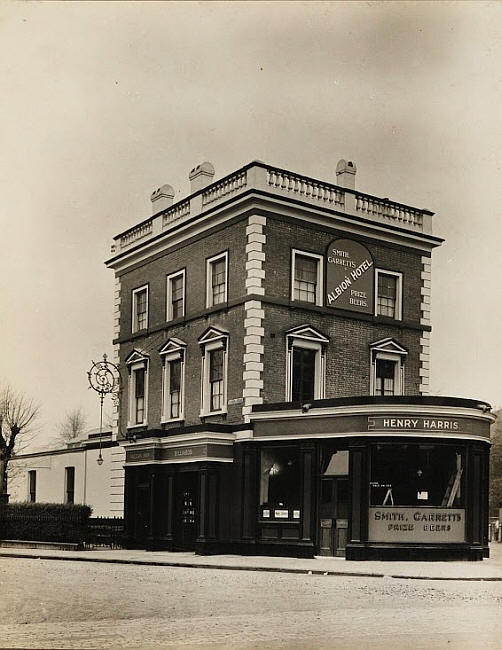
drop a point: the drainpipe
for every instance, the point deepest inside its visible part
(85, 476)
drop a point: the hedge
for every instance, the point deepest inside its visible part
(44, 522)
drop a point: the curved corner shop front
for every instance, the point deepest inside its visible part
(364, 478)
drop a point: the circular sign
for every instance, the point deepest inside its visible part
(350, 276)
(104, 377)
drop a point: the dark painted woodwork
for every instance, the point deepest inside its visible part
(249, 489)
(227, 517)
(170, 507)
(308, 510)
(202, 506)
(212, 506)
(358, 482)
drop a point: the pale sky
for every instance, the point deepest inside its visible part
(103, 102)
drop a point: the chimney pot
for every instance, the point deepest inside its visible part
(162, 198)
(346, 174)
(201, 176)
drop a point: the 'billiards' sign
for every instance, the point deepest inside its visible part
(350, 276)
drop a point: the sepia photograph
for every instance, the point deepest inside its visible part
(250, 385)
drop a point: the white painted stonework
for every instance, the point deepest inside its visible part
(425, 310)
(116, 354)
(117, 481)
(253, 321)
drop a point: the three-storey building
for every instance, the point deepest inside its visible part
(273, 335)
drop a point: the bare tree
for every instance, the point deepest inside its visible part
(17, 416)
(72, 427)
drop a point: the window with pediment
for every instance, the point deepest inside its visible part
(387, 358)
(173, 379)
(214, 370)
(305, 364)
(137, 366)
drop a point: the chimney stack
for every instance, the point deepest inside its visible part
(346, 174)
(162, 198)
(201, 176)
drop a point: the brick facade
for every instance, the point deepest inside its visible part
(227, 320)
(258, 313)
(283, 236)
(347, 354)
(190, 256)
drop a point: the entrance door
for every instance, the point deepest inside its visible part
(142, 519)
(186, 513)
(334, 512)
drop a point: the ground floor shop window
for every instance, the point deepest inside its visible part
(280, 483)
(416, 475)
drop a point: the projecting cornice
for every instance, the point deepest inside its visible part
(260, 189)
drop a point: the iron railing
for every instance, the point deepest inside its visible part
(104, 531)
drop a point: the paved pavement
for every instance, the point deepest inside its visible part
(84, 605)
(489, 569)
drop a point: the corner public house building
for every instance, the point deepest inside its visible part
(273, 333)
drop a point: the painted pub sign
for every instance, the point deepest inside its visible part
(437, 525)
(350, 276)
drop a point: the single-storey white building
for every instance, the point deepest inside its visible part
(72, 475)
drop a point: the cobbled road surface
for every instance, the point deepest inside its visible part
(69, 604)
